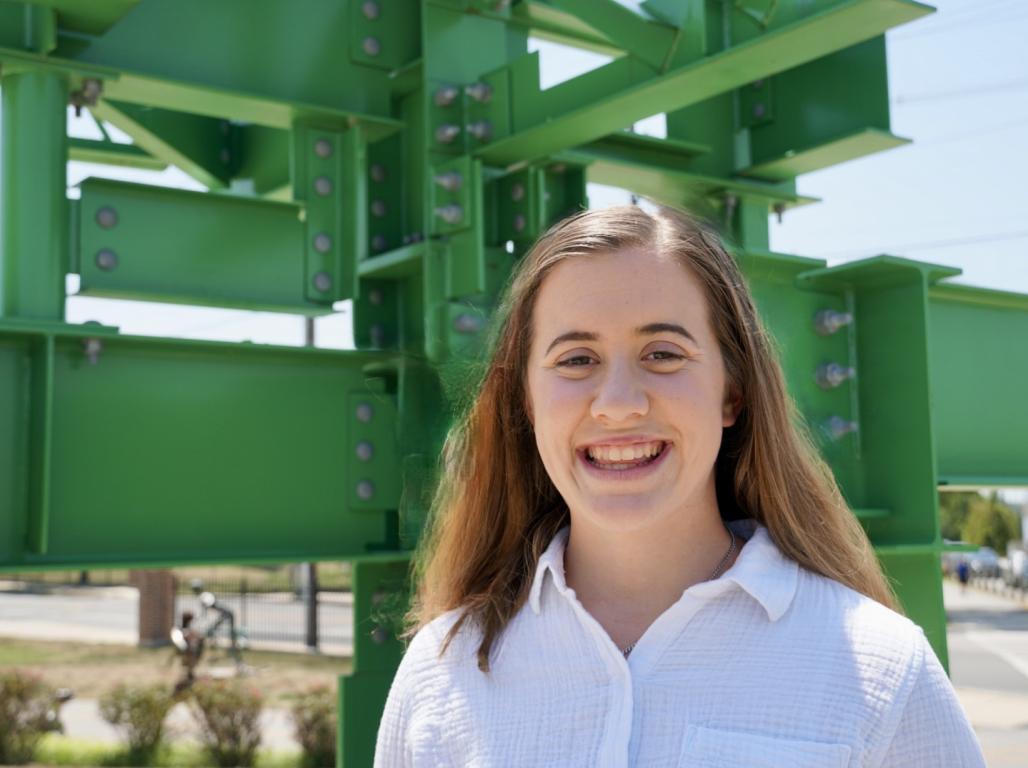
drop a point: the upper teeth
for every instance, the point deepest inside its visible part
(624, 452)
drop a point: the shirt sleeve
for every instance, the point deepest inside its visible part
(933, 729)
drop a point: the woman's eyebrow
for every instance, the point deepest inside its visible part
(643, 330)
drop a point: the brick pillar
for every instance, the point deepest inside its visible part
(156, 606)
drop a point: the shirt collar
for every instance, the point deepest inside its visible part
(761, 570)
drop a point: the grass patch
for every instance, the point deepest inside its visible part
(57, 750)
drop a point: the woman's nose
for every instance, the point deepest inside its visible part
(620, 396)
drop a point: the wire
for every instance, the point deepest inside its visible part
(934, 244)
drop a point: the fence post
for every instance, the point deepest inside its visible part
(311, 605)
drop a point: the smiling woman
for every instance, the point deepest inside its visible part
(636, 555)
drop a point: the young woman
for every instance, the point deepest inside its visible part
(636, 557)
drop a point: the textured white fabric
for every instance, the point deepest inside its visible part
(768, 666)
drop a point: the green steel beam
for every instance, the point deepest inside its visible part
(112, 153)
(605, 100)
(549, 23)
(650, 41)
(979, 366)
(89, 17)
(33, 208)
(199, 146)
(146, 451)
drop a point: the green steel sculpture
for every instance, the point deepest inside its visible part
(400, 153)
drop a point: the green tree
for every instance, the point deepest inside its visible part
(991, 523)
(954, 509)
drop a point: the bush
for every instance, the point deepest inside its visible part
(228, 714)
(28, 710)
(314, 718)
(138, 711)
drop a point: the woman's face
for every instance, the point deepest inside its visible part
(626, 387)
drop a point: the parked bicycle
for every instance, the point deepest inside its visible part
(191, 642)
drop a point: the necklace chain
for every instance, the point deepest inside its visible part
(714, 575)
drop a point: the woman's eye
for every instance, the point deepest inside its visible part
(570, 362)
(665, 355)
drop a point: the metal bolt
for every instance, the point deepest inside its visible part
(446, 95)
(482, 130)
(370, 9)
(828, 321)
(379, 635)
(106, 259)
(378, 172)
(378, 208)
(758, 84)
(759, 109)
(92, 348)
(107, 217)
(375, 296)
(323, 148)
(322, 281)
(520, 223)
(517, 192)
(731, 201)
(323, 186)
(378, 243)
(364, 412)
(831, 375)
(779, 209)
(465, 323)
(224, 155)
(322, 243)
(371, 46)
(365, 450)
(378, 597)
(365, 489)
(480, 92)
(446, 133)
(376, 334)
(451, 214)
(450, 181)
(837, 427)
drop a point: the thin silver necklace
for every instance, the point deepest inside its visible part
(714, 575)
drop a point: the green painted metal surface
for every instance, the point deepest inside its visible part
(403, 155)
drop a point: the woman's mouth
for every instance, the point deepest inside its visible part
(624, 462)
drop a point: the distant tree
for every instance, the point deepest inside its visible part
(991, 523)
(954, 509)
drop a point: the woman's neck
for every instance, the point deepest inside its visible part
(626, 579)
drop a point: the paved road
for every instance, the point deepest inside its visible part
(988, 651)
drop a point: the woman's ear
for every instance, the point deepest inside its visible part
(730, 409)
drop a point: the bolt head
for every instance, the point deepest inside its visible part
(370, 9)
(520, 223)
(375, 296)
(322, 243)
(224, 155)
(323, 148)
(378, 208)
(323, 186)
(759, 109)
(378, 243)
(322, 281)
(364, 412)
(517, 192)
(106, 259)
(379, 635)
(378, 172)
(107, 217)
(365, 450)
(371, 46)
(365, 490)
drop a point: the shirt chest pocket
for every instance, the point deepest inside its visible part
(718, 748)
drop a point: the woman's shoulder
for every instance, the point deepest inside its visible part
(424, 657)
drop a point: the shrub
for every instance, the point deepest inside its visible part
(314, 718)
(138, 712)
(28, 710)
(228, 714)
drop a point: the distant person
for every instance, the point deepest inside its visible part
(963, 573)
(636, 556)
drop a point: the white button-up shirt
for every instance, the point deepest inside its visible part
(767, 666)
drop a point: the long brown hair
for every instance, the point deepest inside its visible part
(495, 509)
